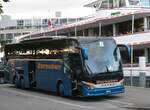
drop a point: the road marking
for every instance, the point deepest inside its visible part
(121, 102)
(52, 100)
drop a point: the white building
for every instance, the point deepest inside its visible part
(10, 29)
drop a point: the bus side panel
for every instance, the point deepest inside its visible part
(67, 85)
(47, 77)
(26, 75)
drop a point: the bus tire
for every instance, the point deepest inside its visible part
(16, 82)
(22, 83)
(61, 90)
(13, 81)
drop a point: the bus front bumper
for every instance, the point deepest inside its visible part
(102, 91)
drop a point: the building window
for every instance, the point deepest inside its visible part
(136, 54)
(9, 36)
(109, 4)
(124, 27)
(134, 2)
(104, 4)
(145, 2)
(25, 33)
(71, 20)
(17, 34)
(142, 3)
(122, 3)
(27, 23)
(148, 55)
(148, 23)
(44, 22)
(116, 3)
(20, 22)
(107, 30)
(63, 21)
(2, 36)
(139, 25)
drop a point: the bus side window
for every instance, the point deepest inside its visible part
(66, 70)
(66, 65)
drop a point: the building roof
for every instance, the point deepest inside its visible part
(104, 20)
(138, 40)
(95, 21)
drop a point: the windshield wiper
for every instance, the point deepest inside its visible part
(108, 72)
(107, 69)
(88, 68)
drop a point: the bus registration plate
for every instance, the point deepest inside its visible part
(108, 92)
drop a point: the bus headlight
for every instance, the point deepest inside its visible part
(89, 85)
(122, 82)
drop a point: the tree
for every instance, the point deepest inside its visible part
(1, 10)
(2, 42)
(2, 45)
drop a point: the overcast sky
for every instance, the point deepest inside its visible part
(46, 8)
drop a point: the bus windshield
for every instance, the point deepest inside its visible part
(103, 56)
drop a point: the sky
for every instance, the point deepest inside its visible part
(46, 8)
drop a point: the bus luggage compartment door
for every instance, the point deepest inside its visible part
(29, 74)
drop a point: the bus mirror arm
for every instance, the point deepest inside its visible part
(127, 48)
(85, 53)
(75, 84)
(77, 47)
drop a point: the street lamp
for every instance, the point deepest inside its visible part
(131, 61)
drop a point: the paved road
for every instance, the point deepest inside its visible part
(16, 99)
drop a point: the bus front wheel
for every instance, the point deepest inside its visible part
(61, 90)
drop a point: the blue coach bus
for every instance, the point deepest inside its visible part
(85, 66)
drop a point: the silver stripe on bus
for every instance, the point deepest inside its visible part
(60, 60)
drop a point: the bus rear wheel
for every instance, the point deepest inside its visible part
(17, 82)
(61, 90)
(22, 83)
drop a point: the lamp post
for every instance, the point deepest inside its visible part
(131, 72)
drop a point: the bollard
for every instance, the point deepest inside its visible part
(142, 79)
(142, 74)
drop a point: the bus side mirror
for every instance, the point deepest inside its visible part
(126, 49)
(85, 53)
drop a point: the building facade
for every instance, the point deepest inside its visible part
(10, 29)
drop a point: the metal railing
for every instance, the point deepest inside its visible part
(132, 77)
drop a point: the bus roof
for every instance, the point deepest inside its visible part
(47, 41)
(79, 38)
(91, 39)
(44, 38)
(42, 43)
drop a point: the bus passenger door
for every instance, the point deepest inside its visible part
(68, 75)
(32, 73)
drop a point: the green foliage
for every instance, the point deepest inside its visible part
(6, 0)
(2, 43)
(1, 10)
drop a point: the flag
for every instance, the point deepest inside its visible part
(49, 24)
